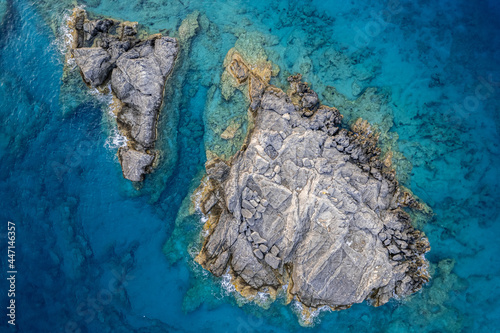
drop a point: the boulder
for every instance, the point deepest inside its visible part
(94, 63)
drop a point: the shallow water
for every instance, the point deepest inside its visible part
(96, 255)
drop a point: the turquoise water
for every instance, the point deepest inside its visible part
(96, 255)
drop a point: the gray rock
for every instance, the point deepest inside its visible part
(393, 249)
(94, 63)
(310, 100)
(401, 244)
(246, 213)
(247, 205)
(209, 203)
(138, 70)
(397, 257)
(272, 261)
(263, 248)
(260, 209)
(258, 253)
(243, 227)
(134, 163)
(257, 239)
(92, 28)
(328, 216)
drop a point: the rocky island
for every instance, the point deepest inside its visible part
(308, 206)
(111, 52)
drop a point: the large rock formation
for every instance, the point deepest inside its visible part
(110, 51)
(309, 205)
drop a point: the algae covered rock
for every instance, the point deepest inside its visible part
(137, 68)
(309, 205)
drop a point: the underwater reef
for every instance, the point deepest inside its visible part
(107, 51)
(308, 206)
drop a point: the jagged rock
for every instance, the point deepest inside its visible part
(257, 239)
(258, 253)
(92, 28)
(138, 81)
(332, 219)
(128, 30)
(134, 163)
(94, 63)
(239, 70)
(138, 70)
(256, 89)
(208, 201)
(393, 249)
(246, 213)
(310, 101)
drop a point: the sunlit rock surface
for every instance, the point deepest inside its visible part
(107, 51)
(309, 205)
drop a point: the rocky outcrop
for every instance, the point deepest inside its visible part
(136, 68)
(309, 205)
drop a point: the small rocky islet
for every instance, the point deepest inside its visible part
(105, 51)
(305, 205)
(309, 206)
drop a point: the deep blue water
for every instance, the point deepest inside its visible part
(93, 254)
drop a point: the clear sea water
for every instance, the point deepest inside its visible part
(95, 254)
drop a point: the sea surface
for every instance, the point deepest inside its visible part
(95, 254)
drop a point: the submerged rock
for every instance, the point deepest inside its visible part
(110, 51)
(309, 205)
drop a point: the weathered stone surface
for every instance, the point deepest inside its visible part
(137, 70)
(134, 163)
(332, 218)
(258, 253)
(272, 260)
(92, 28)
(94, 64)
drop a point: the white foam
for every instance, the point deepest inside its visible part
(262, 298)
(115, 140)
(227, 287)
(309, 317)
